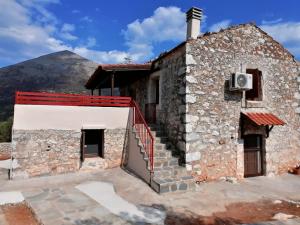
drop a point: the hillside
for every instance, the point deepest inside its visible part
(62, 71)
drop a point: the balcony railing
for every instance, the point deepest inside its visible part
(42, 98)
(142, 129)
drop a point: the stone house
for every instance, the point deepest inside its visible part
(200, 128)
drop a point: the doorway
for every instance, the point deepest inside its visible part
(253, 162)
(92, 144)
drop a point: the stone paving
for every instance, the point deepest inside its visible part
(55, 199)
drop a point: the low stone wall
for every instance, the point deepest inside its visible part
(5, 148)
(45, 152)
(114, 142)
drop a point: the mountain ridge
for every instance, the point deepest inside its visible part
(62, 71)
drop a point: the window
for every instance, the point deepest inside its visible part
(255, 94)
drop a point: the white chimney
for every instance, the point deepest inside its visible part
(193, 19)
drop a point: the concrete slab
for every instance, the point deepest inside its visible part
(58, 192)
(105, 195)
(11, 197)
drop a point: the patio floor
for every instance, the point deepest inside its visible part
(56, 200)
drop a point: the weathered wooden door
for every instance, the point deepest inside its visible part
(253, 155)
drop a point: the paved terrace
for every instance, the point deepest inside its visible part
(68, 199)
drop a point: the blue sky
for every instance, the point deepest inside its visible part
(109, 31)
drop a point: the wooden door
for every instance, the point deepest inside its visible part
(253, 155)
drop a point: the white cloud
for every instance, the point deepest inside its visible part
(166, 24)
(86, 19)
(284, 32)
(28, 30)
(220, 25)
(113, 56)
(287, 33)
(75, 11)
(91, 42)
(66, 32)
(271, 21)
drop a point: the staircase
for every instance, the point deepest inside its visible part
(168, 175)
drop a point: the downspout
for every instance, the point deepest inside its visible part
(10, 171)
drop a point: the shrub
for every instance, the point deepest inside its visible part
(5, 130)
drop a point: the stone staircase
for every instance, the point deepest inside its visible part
(168, 175)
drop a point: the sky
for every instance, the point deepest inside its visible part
(115, 30)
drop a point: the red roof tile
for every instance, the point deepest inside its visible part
(263, 119)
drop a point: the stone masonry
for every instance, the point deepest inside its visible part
(213, 135)
(201, 116)
(46, 152)
(5, 148)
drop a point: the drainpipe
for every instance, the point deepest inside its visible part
(10, 171)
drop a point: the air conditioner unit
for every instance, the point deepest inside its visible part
(241, 81)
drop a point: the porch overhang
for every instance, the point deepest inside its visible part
(264, 119)
(120, 74)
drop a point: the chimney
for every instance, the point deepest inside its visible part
(193, 18)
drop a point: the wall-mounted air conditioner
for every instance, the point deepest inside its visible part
(241, 81)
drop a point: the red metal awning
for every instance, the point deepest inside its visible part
(263, 119)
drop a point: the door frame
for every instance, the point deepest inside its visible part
(83, 144)
(261, 160)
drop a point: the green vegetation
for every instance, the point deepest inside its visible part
(5, 130)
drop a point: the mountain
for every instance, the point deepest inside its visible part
(64, 72)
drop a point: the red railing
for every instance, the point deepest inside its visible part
(144, 133)
(43, 98)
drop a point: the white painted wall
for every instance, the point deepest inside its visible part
(37, 117)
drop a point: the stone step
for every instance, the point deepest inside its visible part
(171, 172)
(173, 185)
(162, 154)
(161, 163)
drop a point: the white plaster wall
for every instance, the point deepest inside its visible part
(38, 117)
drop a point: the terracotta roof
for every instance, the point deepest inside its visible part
(263, 119)
(129, 66)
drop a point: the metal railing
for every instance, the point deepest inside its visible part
(44, 98)
(144, 133)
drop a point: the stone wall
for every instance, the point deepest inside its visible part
(5, 148)
(213, 141)
(46, 152)
(114, 144)
(171, 69)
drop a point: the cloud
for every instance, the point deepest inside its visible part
(91, 42)
(22, 36)
(28, 29)
(113, 56)
(166, 24)
(86, 19)
(264, 22)
(66, 32)
(287, 33)
(75, 11)
(220, 25)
